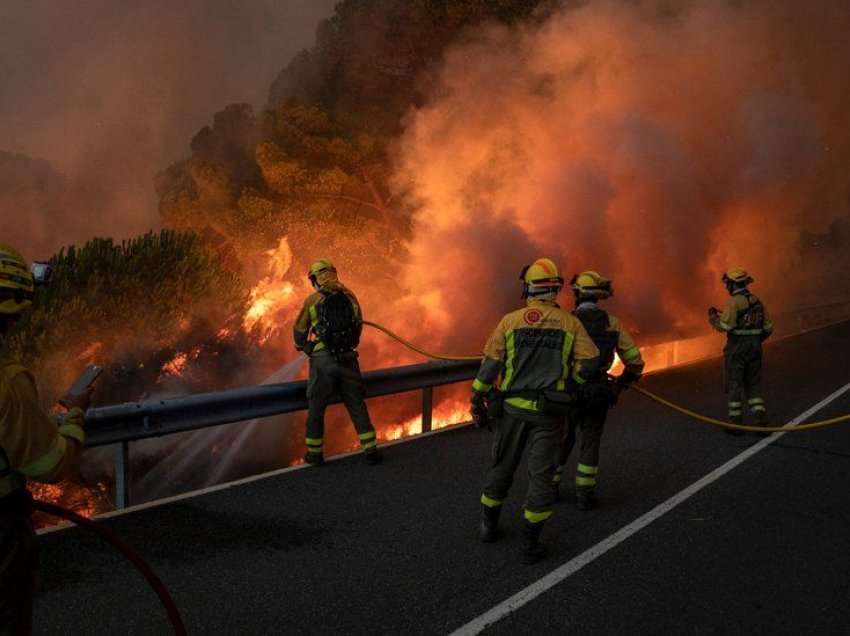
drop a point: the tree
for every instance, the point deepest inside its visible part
(130, 307)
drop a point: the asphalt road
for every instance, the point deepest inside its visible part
(350, 549)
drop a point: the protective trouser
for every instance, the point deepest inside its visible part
(743, 356)
(589, 423)
(330, 375)
(512, 434)
(18, 561)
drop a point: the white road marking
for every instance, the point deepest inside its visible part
(521, 598)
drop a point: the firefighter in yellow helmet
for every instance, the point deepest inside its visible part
(539, 354)
(31, 447)
(328, 330)
(746, 324)
(599, 394)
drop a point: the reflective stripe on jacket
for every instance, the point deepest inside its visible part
(32, 445)
(734, 315)
(620, 339)
(534, 349)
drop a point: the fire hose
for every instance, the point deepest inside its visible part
(118, 544)
(704, 419)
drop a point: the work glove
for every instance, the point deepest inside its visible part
(627, 378)
(478, 410)
(80, 401)
(713, 312)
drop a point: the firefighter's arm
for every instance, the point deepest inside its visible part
(301, 328)
(726, 321)
(585, 355)
(36, 448)
(629, 353)
(768, 325)
(493, 362)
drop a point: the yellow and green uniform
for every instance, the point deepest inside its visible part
(31, 447)
(538, 348)
(746, 323)
(610, 337)
(330, 375)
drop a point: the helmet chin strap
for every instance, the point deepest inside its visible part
(546, 293)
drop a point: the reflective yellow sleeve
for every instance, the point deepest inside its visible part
(301, 328)
(627, 349)
(34, 445)
(729, 318)
(496, 345)
(768, 324)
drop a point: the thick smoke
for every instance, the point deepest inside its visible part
(105, 91)
(657, 142)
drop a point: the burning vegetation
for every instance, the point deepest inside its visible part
(433, 148)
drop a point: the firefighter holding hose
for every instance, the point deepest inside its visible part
(328, 330)
(31, 447)
(746, 325)
(540, 354)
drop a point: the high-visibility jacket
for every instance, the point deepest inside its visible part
(610, 337)
(745, 315)
(31, 445)
(308, 318)
(535, 349)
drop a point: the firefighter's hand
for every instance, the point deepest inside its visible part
(478, 410)
(74, 401)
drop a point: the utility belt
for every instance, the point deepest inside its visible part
(16, 504)
(747, 332)
(549, 402)
(349, 354)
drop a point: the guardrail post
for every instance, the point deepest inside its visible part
(122, 475)
(427, 408)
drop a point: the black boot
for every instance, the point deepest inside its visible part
(585, 500)
(314, 459)
(489, 528)
(532, 551)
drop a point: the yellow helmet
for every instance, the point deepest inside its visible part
(737, 277)
(321, 265)
(541, 277)
(320, 269)
(591, 285)
(17, 286)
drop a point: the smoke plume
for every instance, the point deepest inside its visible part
(106, 91)
(657, 142)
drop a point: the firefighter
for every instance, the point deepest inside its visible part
(328, 330)
(587, 418)
(539, 354)
(746, 325)
(31, 447)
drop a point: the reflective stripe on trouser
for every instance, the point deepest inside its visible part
(756, 405)
(18, 565)
(735, 409)
(586, 477)
(329, 375)
(588, 424)
(512, 436)
(743, 359)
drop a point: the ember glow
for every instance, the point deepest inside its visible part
(274, 296)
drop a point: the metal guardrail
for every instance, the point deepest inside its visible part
(122, 424)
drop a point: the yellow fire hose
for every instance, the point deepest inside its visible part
(652, 396)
